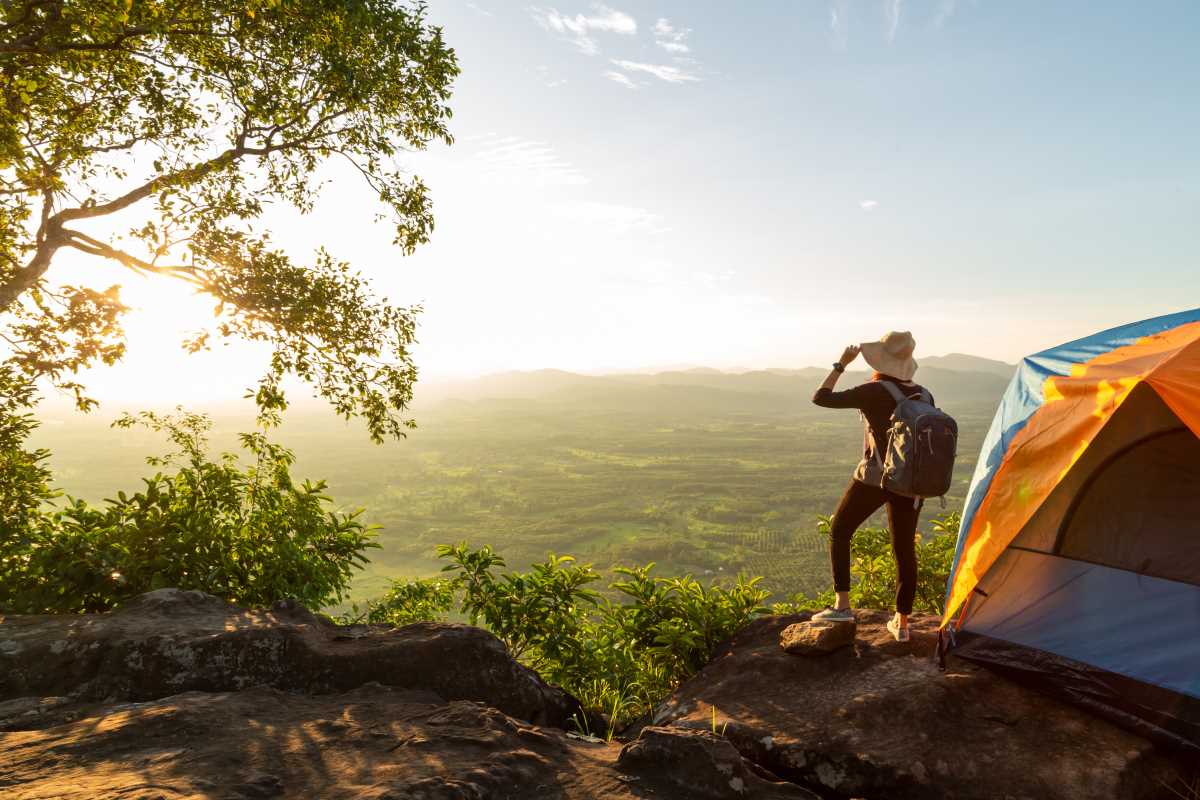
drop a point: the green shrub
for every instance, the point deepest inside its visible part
(622, 652)
(540, 614)
(24, 481)
(24, 477)
(407, 601)
(618, 656)
(248, 534)
(873, 569)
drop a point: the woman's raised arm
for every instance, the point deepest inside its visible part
(825, 396)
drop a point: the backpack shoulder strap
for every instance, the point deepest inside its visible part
(894, 391)
(900, 396)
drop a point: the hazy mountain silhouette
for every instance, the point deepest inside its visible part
(961, 362)
(955, 379)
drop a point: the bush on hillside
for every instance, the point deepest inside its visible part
(248, 534)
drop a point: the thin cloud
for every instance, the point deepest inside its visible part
(893, 16)
(621, 78)
(551, 81)
(945, 12)
(712, 279)
(891, 12)
(669, 38)
(579, 29)
(514, 160)
(839, 24)
(663, 72)
(869, 205)
(618, 219)
(477, 9)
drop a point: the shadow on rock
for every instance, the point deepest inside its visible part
(374, 742)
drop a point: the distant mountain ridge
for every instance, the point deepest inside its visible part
(705, 385)
(953, 378)
(961, 362)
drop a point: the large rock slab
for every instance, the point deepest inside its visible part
(180, 695)
(374, 743)
(171, 641)
(880, 721)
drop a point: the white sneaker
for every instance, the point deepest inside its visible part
(901, 634)
(831, 614)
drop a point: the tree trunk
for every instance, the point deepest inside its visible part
(27, 277)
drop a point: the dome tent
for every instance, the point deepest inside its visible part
(1077, 566)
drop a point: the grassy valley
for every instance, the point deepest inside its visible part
(701, 471)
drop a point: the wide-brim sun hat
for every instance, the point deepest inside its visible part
(892, 355)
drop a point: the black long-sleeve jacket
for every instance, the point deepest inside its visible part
(875, 403)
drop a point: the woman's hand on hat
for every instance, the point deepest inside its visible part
(849, 354)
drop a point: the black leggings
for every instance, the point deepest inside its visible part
(860, 501)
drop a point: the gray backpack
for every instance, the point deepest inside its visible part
(921, 445)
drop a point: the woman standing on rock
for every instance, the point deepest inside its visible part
(891, 358)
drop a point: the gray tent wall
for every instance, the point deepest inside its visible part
(1098, 598)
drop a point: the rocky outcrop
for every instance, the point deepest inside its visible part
(878, 720)
(171, 641)
(817, 638)
(180, 695)
(374, 743)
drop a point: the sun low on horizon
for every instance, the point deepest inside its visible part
(647, 185)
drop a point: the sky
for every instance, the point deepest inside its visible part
(757, 184)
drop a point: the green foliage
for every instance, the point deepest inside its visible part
(678, 622)
(801, 601)
(873, 568)
(935, 557)
(406, 601)
(248, 534)
(619, 656)
(196, 115)
(539, 614)
(24, 478)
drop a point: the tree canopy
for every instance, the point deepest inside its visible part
(181, 120)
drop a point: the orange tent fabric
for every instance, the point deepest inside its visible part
(1077, 398)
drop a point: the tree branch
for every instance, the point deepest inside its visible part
(194, 173)
(95, 247)
(29, 43)
(148, 188)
